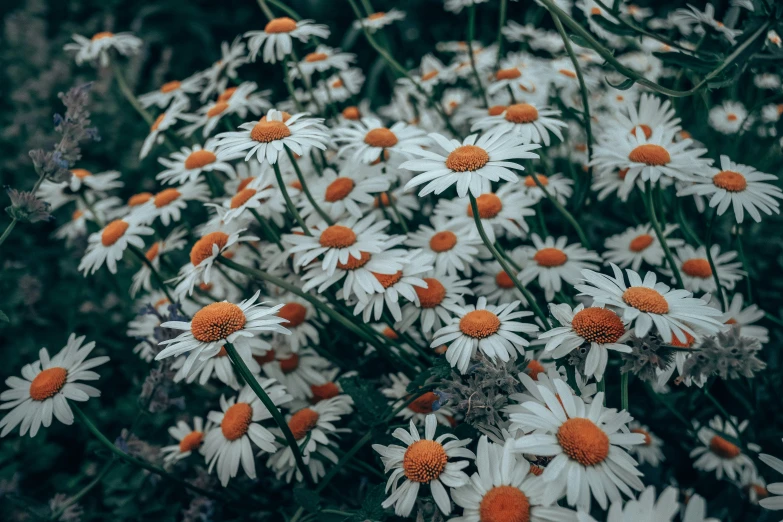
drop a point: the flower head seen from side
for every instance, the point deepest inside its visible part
(639, 245)
(719, 454)
(97, 48)
(379, 20)
(427, 460)
(588, 445)
(143, 278)
(47, 385)
(163, 122)
(492, 329)
(369, 140)
(454, 249)
(739, 186)
(341, 194)
(470, 165)
(109, 244)
(237, 425)
(419, 409)
(277, 37)
(189, 439)
(528, 122)
(647, 303)
(434, 303)
(773, 503)
(189, 163)
(651, 450)
(505, 489)
(743, 318)
(697, 273)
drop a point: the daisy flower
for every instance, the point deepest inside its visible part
(190, 162)
(368, 139)
(47, 385)
(697, 274)
(298, 314)
(189, 440)
(587, 443)
(601, 328)
(454, 251)
(505, 489)
(774, 503)
(493, 329)
(59, 194)
(494, 283)
(109, 244)
(434, 303)
(696, 511)
(650, 451)
(76, 228)
(674, 313)
(251, 195)
(162, 123)
(97, 48)
(557, 185)
(238, 423)
(340, 87)
(277, 37)
(143, 278)
(427, 460)
(171, 91)
(643, 509)
(743, 318)
(470, 165)
(216, 324)
(379, 20)
(526, 121)
(338, 195)
(298, 372)
(728, 117)
(168, 204)
(456, 6)
(639, 244)
(719, 454)
(740, 186)
(267, 138)
(651, 113)
(322, 59)
(553, 261)
(419, 409)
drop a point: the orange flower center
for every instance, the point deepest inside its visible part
(647, 438)
(567, 72)
(338, 189)
(431, 296)
(730, 180)
(583, 441)
(302, 422)
(76, 214)
(202, 249)
(164, 197)
(48, 383)
(534, 368)
(504, 504)
(424, 461)
(508, 74)
(102, 35)
(227, 94)
(646, 299)
(650, 154)
(645, 129)
(268, 357)
(689, 340)
(496, 110)
(489, 206)
(316, 57)
(280, 25)
(81, 173)
(595, 11)
(380, 137)
(351, 113)
(536, 470)
(723, 448)
(423, 403)
(639, 243)
(390, 334)
(337, 236)
(139, 199)
(217, 321)
(622, 173)
(429, 75)
(170, 86)
(322, 392)
(191, 442)
(376, 16)
(289, 364)
(731, 117)
(530, 182)
(199, 159)
(550, 257)
(113, 232)
(157, 122)
(387, 280)
(521, 113)
(697, 268)
(236, 420)
(383, 199)
(152, 253)
(598, 325)
(479, 324)
(503, 280)
(242, 197)
(217, 109)
(443, 241)
(244, 183)
(467, 158)
(294, 313)
(353, 263)
(269, 131)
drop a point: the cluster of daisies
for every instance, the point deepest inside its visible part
(416, 231)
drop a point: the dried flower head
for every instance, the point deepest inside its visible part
(648, 355)
(726, 355)
(26, 207)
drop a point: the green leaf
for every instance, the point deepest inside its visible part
(622, 30)
(371, 505)
(370, 404)
(578, 40)
(687, 61)
(308, 499)
(624, 85)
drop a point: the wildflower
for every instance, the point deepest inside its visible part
(727, 355)
(637, 245)
(728, 118)
(719, 454)
(340, 195)
(428, 403)
(369, 139)
(97, 48)
(553, 261)
(189, 163)
(26, 207)
(277, 37)
(529, 123)
(649, 452)
(174, 90)
(168, 204)
(163, 122)
(433, 304)
(142, 279)
(109, 244)
(649, 356)
(774, 503)
(189, 439)
(696, 272)
(743, 319)
(298, 371)
(322, 59)
(379, 20)
(454, 250)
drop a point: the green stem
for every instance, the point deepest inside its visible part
(624, 391)
(269, 232)
(708, 248)
(86, 489)
(128, 93)
(471, 35)
(306, 190)
(265, 8)
(565, 213)
(745, 266)
(684, 225)
(503, 263)
(501, 23)
(155, 273)
(348, 456)
(288, 202)
(648, 194)
(8, 229)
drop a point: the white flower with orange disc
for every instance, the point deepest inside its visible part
(232, 56)
(424, 404)
(455, 250)
(456, 6)
(696, 273)
(251, 196)
(47, 385)
(729, 117)
(367, 139)
(203, 255)
(105, 208)
(407, 205)
(557, 185)
(58, 194)
(311, 427)
(238, 424)
(553, 261)
(97, 48)
(189, 440)
(743, 318)
(379, 20)
(321, 60)
(601, 328)
(340, 86)
(650, 452)
(162, 123)
(673, 312)
(191, 162)
(639, 244)
(427, 460)
(108, 245)
(719, 451)
(740, 186)
(650, 159)
(775, 502)
(298, 372)
(277, 37)
(268, 138)
(299, 314)
(171, 91)
(220, 365)
(518, 72)
(588, 445)
(234, 100)
(470, 165)
(651, 113)
(143, 278)
(434, 303)
(431, 72)
(340, 195)
(216, 324)
(505, 488)
(168, 204)
(492, 329)
(527, 122)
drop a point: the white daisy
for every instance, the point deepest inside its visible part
(143, 278)
(379, 20)
(553, 261)
(168, 204)
(321, 60)
(774, 503)
(239, 100)
(717, 453)
(277, 37)
(526, 121)
(652, 113)
(298, 314)
(338, 195)
(423, 461)
(639, 244)
(434, 303)
(220, 366)
(46, 387)
(58, 194)
(417, 410)
(172, 90)
(368, 139)
(191, 162)
(189, 440)
(109, 244)
(298, 372)
(254, 194)
(728, 117)
(643, 509)
(557, 185)
(743, 318)
(232, 56)
(650, 451)
(454, 251)
(697, 274)
(162, 123)
(96, 49)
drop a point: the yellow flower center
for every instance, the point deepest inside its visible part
(598, 325)
(467, 158)
(217, 321)
(504, 504)
(479, 324)
(113, 232)
(236, 421)
(646, 299)
(424, 461)
(48, 383)
(583, 441)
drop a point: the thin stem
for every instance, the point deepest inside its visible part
(659, 233)
(252, 381)
(8, 229)
(348, 456)
(566, 214)
(501, 24)
(708, 249)
(503, 263)
(306, 190)
(723, 412)
(268, 230)
(471, 34)
(155, 273)
(128, 93)
(745, 266)
(288, 202)
(684, 225)
(397, 214)
(86, 489)
(287, 10)
(624, 390)
(265, 8)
